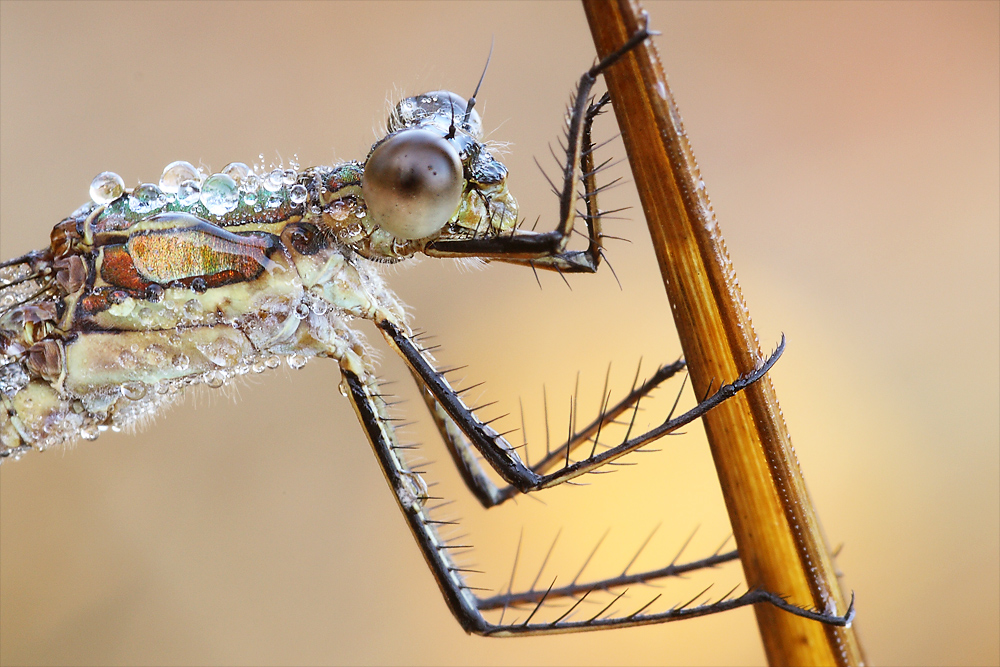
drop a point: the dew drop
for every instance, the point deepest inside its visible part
(339, 210)
(127, 359)
(134, 391)
(215, 379)
(155, 355)
(272, 361)
(258, 366)
(145, 316)
(251, 183)
(106, 187)
(177, 173)
(250, 198)
(154, 293)
(298, 194)
(146, 198)
(272, 182)
(288, 177)
(239, 172)
(219, 194)
(90, 431)
(296, 361)
(192, 308)
(180, 362)
(189, 192)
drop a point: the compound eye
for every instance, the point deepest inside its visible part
(413, 184)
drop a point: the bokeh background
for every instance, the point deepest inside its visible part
(851, 152)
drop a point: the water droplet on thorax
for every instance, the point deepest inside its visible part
(296, 361)
(215, 379)
(180, 362)
(237, 171)
(219, 194)
(189, 192)
(106, 187)
(146, 198)
(298, 194)
(272, 183)
(175, 173)
(133, 391)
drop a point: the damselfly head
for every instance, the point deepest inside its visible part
(432, 177)
(441, 109)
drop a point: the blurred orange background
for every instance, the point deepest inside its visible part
(851, 152)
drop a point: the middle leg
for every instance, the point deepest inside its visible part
(503, 457)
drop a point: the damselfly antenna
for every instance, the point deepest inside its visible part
(472, 100)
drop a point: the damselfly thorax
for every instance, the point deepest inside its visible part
(201, 278)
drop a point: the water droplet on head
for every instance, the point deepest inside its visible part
(180, 362)
(106, 187)
(288, 177)
(145, 316)
(146, 198)
(219, 194)
(177, 173)
(298, 194)
(250, 198)
(258, 366)
(90, 431)
(302, 310)
(272, 361)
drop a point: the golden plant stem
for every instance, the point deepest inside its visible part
(776, 529)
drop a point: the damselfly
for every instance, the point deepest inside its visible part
(197, 280)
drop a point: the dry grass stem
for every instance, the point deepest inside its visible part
(779, 538)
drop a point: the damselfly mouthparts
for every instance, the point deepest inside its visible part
(144, 292)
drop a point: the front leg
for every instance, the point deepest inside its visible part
(548, 250)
